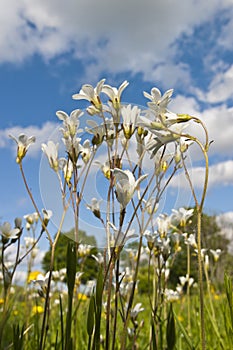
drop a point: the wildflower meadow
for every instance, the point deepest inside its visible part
(156, 282)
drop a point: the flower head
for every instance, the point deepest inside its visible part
(216, 254)
(114, 94)
(158, 102)
(129, 115)
(51, 151)
(85, 150)
(73, 147)
(125, 185)
(181, 215)
(23, 143)
(105, 168)
(190, 240)
(120, 238)
(136, 310)
(70, 123)
(67, 167)
(91, 94)
(95, 207)
(9, 233)
(47, 216)
(163, 222)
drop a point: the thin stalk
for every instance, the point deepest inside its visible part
(34, 203)
(188, 288)
(116, 303)
(46, 308)
(108, 308)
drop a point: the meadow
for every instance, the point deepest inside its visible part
(159, 281)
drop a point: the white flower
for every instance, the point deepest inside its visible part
(186, 280)
(114, 94)
(99, 258)
(163, 222)
(158, 102)
(151, 205)
(47, 216)
(100, 131)
(95, 207)
(67, 167)
(151, 238)
(73, 147)
(105, 168)
(97, 130)
(135, 311)
(85, 151)
(203, 252)
(42, 281)
(171, 295)
(207, 262)
(216, 254)
(51, 151)
(181, 215)
(7, 232)
(31, 218)
(23, 143)
(84, 250)
(120, 238)
(71, 123)
(125, 185)
(129, 115)
(29, 241)
(91, 94)
(190, 240)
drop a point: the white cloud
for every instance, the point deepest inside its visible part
(220, 88)
(220, 174)
(136, 36)
(219, 123)
(42, 134)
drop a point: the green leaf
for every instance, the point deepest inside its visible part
(185, 334)
(91, 316)
(98, 299)
(71, 262)
(18, 337)
(99, 288)
(229, 293)
(171, 330)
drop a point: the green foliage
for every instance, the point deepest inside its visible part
(171, 330)
(212, 238)
(18, 338)
(88, 265)
(71, 259)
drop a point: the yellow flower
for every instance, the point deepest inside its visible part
(33, 276)
(180, 318)
(1, 301)
(82, 297)
(37, 309)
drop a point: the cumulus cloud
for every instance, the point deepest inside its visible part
(44, 133)
(220, 88)
(130, 35)
(220, 174)
(218, 120)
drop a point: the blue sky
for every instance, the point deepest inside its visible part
(48, 49)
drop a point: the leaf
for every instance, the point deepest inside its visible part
(99, 289)
(71, 262)
(229, 293)
(91, 316)
(171, 330)
(185, 334)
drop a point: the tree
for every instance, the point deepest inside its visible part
(86, 264)
(212, 238)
